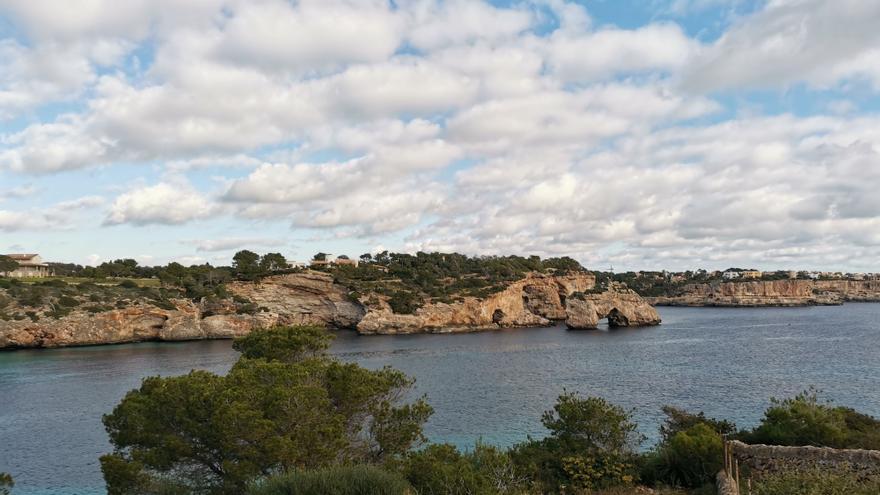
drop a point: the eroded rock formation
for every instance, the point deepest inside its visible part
(303, 298)
(313, 298)
(534, 301)
(620, 305)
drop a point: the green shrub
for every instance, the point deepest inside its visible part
(440, 469)
(6, 484)
(689, 458)
(68, 301)
(128, 284)
(591, 445)
(805, 420)
(337, 480)
(815, 482)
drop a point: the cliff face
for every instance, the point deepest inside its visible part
(773, 293)
(534, 301)
(622, 306)
(306, 298)
(313, 298)
(134, 324)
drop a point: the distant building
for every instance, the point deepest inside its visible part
(345, 261)
(751, 274)
(29, 265)
(730, 275)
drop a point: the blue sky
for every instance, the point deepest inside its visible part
(662, 134)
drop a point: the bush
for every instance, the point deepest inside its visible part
(440, 469)
(591, 445)
(6, 484)
(815, 482)
(68, 302)
(128, 284)
(337, 480)
(689, 458)
(805, 420)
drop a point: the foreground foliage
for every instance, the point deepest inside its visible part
(285, 404)
(441, 469)
(806, 420)
(591, 445)
(337, 480)
(6, 484)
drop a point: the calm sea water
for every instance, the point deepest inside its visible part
(493, 386)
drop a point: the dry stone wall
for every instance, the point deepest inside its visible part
(762, 459)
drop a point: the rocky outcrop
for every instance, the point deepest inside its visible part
(133, 324)
(531, 302)
(850, 290)
(314, 298)
(536, 300)
(753, 293)
(308, 298)
(302, 298)
(620, 305)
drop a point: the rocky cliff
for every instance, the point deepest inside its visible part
(772, 293)
(620, 305)
(314, 298)
(536, 300)
(303, 298)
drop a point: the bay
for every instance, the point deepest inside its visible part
(727, 362)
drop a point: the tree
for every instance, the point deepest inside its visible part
(7, 264)
(320, 257)
(678, 420)
(688, 458)
(6, 484)
(285, 404)
(246, 264)
(271, 262)
(592, 444)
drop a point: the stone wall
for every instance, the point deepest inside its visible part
(724, 485)
(770, 458)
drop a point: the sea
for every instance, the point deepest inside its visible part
(490, 386)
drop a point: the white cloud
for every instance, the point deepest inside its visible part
(459, 124)
(817, 41)
(229, 243)
(163, 203)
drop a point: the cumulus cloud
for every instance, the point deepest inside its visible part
(163, 203)
(817, 41)
(466, 125)
(228, 243)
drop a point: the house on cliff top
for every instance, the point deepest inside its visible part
(29, 265)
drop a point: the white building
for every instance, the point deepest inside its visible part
(730, 275)
(29, 265)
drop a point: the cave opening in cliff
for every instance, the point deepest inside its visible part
(497, 316)
(617, 319)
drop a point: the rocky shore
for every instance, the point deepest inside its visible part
(772, 293)
(313, 298)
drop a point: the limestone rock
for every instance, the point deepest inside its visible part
(301, 298)
(581, 314)
(773, 293)
(622, 306)
(533, 301)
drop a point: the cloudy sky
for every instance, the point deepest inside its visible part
(643, 134)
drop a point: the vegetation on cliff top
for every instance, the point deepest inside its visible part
(410, 280)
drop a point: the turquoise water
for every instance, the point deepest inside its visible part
(493, 385)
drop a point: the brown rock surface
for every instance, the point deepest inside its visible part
(622, 306)
(286, 299)
(755, 293)
(530, 302)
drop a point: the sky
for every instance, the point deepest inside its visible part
(634, 134)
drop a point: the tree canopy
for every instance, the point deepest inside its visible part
(285, 404)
